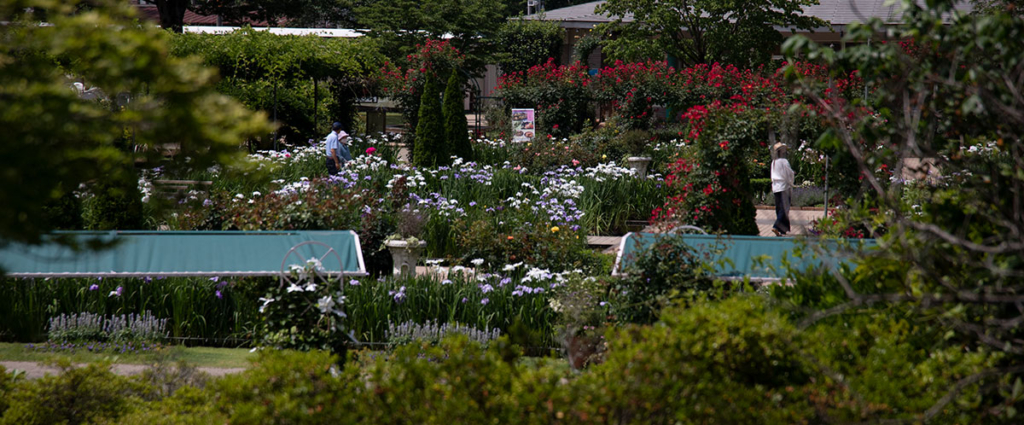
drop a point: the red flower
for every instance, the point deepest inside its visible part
(724, 145)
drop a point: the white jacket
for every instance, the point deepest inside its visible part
(782, 175)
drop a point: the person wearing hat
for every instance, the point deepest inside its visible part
(782, 186)
(337, 148)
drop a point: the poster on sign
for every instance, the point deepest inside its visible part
(522, 125)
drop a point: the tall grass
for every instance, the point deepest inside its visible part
(192, 305)
(372, 305)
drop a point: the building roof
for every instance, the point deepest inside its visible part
(837, 12)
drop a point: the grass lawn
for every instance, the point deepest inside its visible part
(199, 356)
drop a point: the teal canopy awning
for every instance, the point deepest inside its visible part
(756, 257)
(153, 254)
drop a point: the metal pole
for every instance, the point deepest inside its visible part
(316, 106)
(275, 115)
(826, 185)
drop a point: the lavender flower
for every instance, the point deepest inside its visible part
(94, 287)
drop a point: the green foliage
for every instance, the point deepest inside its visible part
(293, 13)
(264, 70)
(455, 128)
(403, 25)
(284, 387)
(116, 205)
(666, 270)
(711, 183)
(65, 212)
(525, 43)
(702, 31)
(559, 94)
(951, 265)
(57, 140)
(430, 149)
(87, 394)
(585, 46)
(304, 312)
(731, 361)
(8, 384)
(192, 305)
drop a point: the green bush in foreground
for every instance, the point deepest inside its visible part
(77, 395)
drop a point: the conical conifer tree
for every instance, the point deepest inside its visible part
(455, 127)
(430, 137)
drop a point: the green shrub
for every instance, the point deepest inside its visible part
(724, 362)
(430, 148)
(285, 387)
(666, 269)
(64, 212)
(116, 205)
(8, 384)
(455, 127)
(525, 43)
(74, 396)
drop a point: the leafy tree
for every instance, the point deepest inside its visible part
(468, 25)
(701, 31)
(953, 259)
(265, 71)
(172, 13)
(522, 44)
(455, 127)
(292, 13)
(54, 140)
(430, 148)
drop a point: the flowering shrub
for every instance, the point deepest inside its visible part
(304, 312)
(404, 83)
(560, 95)
(711, 184)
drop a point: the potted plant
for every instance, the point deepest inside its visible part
(405, 246)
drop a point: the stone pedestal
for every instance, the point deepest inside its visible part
(405, 256)
(639, 165)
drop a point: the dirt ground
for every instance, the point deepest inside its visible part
(35, 370)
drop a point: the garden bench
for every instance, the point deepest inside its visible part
(197, 253)
(756, 257)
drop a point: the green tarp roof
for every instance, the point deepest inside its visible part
(742, 252)
(142, 253)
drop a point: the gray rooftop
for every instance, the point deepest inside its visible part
(837, 12)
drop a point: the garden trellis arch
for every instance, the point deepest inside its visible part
(256, 63)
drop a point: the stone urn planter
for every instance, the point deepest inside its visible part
(405, 253)
(639, 165)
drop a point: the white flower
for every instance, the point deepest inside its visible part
(294, 288)
(511, 267)
(266, 302)
(325, 304)
(477, 262)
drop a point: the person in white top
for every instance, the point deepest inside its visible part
(782, 188)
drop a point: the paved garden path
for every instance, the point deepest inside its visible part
(36, 370)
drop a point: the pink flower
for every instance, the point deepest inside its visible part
(370, 151)
(575, 163)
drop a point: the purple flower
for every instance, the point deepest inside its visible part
(94, 287)
(220, 296)
(117, 292)
(464, 299)
(485, 301)
(353, 282)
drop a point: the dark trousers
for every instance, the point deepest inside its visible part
(782, 200)
(332, 168)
